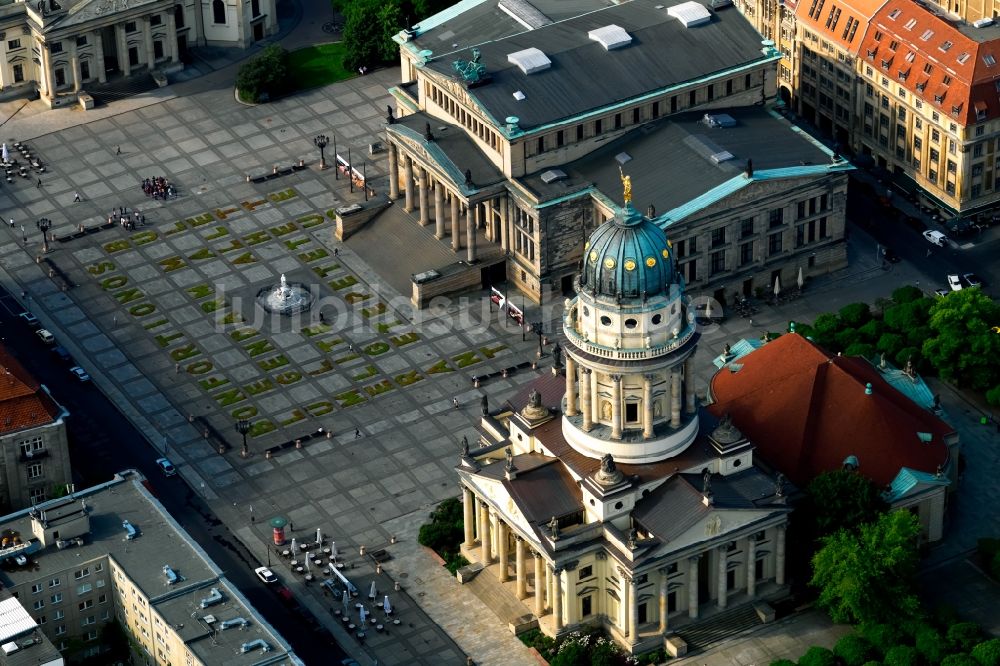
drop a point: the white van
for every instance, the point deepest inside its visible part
(936, 237)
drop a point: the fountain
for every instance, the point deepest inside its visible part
(285, 298)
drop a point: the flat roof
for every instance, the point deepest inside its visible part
(584, 76)
(160, 542)
(671, 160)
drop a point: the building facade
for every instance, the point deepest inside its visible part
(34, 451)
(59, 48)
(596, 497)
(112, 552)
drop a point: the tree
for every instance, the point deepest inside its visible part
(841, 499)
(930, 644)
(962, 345)
(867, 576)
(854, 650)
(906, 316)
(963, 636)
(987, 653)
(369, 26)
(959, 660)
(817, 656)
(855, 315)
(264, 76)
(902, 655)
(993, 395)
(890, 343)
(907, 294)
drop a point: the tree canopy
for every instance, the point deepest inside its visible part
(963, 346)
(263, 76)
(841, 499)
(867, 576)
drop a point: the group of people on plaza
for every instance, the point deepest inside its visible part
(127, 220)
(158, 188)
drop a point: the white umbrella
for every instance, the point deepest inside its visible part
(319, 532)
(362, 613)
(372, 592)
(307, 565)
(293, 546)
(801, 281)
(5, 154)
(346, 599)
(333, 551)
(708, 309)
(386, 606)
(777, 285)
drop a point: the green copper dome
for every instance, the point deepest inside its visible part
(628, 256)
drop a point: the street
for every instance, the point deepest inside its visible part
(102, 442)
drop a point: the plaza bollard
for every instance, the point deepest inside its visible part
(361, 551)
(267, 455)
(396, 586)
(298, 443)
(248, 178)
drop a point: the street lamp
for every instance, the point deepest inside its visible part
(243, 427)
(44, 224)
(537, 329)
(321, 142)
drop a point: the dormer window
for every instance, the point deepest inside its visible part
(957, 109)
(871, 53)
(944, 47)
(938, 99)
(894, 14)
(903, 75)
(921, 86)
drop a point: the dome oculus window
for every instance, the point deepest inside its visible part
(631, 323)
(629, 264)
(593, 257)
(657, 319)
(586, 311)
(609, 263)
(650, 262)
(606, 321)
(666, 254)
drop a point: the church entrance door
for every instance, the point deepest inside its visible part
(110, 41)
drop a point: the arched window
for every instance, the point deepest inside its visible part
(218, 11)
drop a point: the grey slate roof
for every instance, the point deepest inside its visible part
(671, 162)
(584, 76)
(456, 145)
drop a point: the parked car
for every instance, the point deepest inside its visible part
(60, 352)
(720, 4)
(166, 467)
(942, 292)
(936, 237)
(266, 575)
(972, 280)
(890, 256)
(45, 336)
(29, 319)
(80, 373)
(955, 283)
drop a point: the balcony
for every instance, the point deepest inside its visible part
(36, 454)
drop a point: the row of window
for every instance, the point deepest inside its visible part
(469, 121)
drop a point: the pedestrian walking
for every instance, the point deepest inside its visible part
(76, 197)
(39, 183)
(118, 150)
(454, 401)
(11, 223)
(357, 433)
(336, 250)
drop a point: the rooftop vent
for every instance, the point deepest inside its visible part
(719, 120)
(690, 14)
(531, 60)
(209, 619)
(519, 96)
(982, 23)
(552, 175)
(9, 648)
(623, 158)
(259, 644)
(720, 157)
(213, 598)
(240, 622)
(611, 37)
(172, 577)
(524, 13)
(130, 531)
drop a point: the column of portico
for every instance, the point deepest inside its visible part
(424, 218)
(98, 42)
(123, 61)
(520, 572)
(570, 386)
(751, 567)
(504, 210)
(647, 406)
(47, 87)
(663, 600)
(393, 171)
(693, 588)
(557, 599)
(470, 233)
(503, 574)
(689, 396)
(633, 610)
(623, 610)
(438, 210)
(172, 37)
(586, 408)
(467, 519)
(456, 217)
(74, 61)
(408, 183)
(548, 587)
(570, 603)
(779, 556)
(616, 406)
(147, 40)
(539, 585)
(675, 399)
(722, 593)
(484, 536)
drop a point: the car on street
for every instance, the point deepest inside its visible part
(29, 319)
(890, 256)
(80, 373)
(972, 280)
(942, 292)
(936, 237)
(955, 283)
(266, 575)
(60, 352)
(45, 336)
(166, 467)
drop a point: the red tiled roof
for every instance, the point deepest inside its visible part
(806, 412)
(843, 23)
(953, 71)
(23, 403)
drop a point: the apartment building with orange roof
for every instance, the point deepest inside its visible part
(34, 451)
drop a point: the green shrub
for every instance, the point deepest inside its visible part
(872, 331)
(817, 656)
(930, 644)
(963, 636)
(534, 638)
(651, 658)
(855, 314)
(445, 532)
(906, 294)
(872, 663)
(854, 650)
(891, 344)
(264, 76)
(782, 662)
(959, 660)
(862, 349)
(987, 653)
(882, 636)
(902, 655)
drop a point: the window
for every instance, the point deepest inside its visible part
(746, 253)
(980, 130)
(37, 495)
(560, 138)
(597, 126)
(822, 228)
(35, 470)
(57, 598)
(130, 26)
(579, 132)
(618, 121)
(952, 167)
(58, 615)
(84, 70)
(39, 604)
(179, 16)
(36, 588)
(718, 237)
(18, 73)
(746, 227)
(60, 630)
(718, 262)
(13, 44)
(218, 11)
(81, 573)
(84, 605)
(55, 582)
(55, 47)
(155, 19)
(83, 589)
(776, 217)
(692, 98)
(157, 49)
(801, 209)
(800, 235)
(586, 572)
(81, 40)
(917, 143)
(89, 620)
(586, 606)
(773, 244)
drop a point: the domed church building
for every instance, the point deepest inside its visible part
(602, 494)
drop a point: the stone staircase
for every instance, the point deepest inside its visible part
(497, 597)
(717, 628)
(121, 88)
